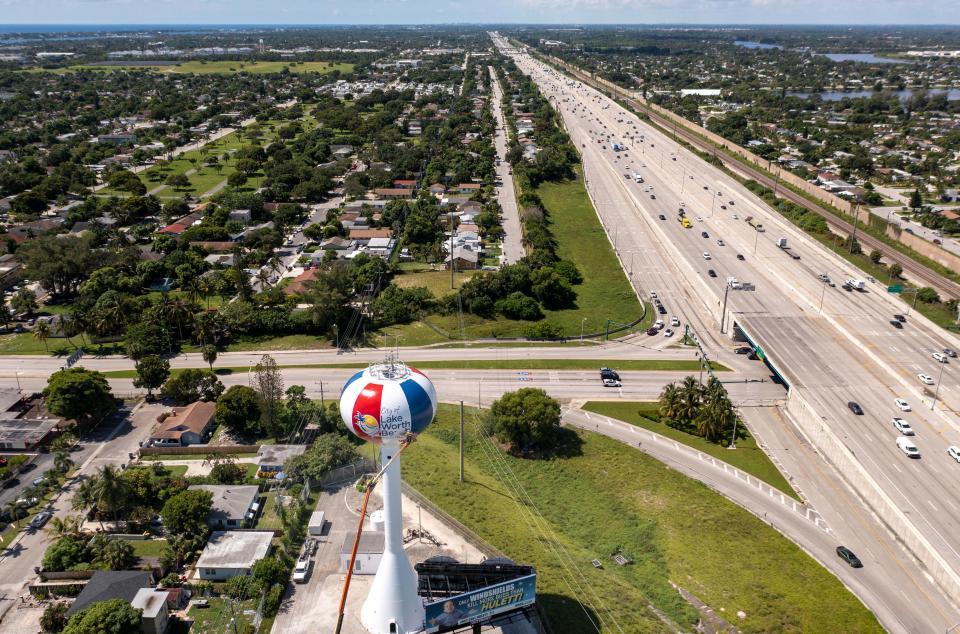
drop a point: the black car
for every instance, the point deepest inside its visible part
(661, 309)
(855, 408)
(711, 273)
(653, 331)
(740, 257)
(662, 217)
(743, 350)
(900, 318)
(950, 352)
(607, 373)
(704, 234)
(896, 324)
(847, 555)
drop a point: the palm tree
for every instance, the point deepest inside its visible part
(181, 312)
(13, 510)
(62, 462)
(41, 332)
(63, 526)
(177, 550)
(83, 496)
(670, 401)
(117, 555)
(109, 490)
(209, 355)
(263, 276)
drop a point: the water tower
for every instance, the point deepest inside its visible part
(383, 404)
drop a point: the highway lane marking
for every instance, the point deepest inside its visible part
(931, 505)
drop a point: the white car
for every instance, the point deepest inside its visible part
(611, 383)
(668, 332)
(926, 379)
(674, 321)
(736, 217)
(706, 255)
(939, 356)
(699, 219)
(903, 426)
(902, 405)
(302, 570)
(954, 452)
(658, 324)
(720, 243)
(906, 446)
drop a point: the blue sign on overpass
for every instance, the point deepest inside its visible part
(760, 353)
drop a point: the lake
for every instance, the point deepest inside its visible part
(953, 94)
(759, 45)
(866, 58)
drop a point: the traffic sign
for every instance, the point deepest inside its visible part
(896, 288)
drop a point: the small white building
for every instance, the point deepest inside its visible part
(232, 553)
(369, 553)
(153, 602)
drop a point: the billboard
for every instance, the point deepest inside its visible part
(480, 605)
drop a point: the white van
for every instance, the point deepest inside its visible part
(906, 446)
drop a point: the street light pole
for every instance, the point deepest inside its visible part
(936, 391)
(755, 241)
(733, 438)
(582, 322)
(723, 315)
(823, 291)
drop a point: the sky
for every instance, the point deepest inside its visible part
(479, 11)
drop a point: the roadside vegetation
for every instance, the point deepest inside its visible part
(670, 527)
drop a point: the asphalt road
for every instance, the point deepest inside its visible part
(513, 235)
(845, 351)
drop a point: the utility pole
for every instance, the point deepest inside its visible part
(823, 291)
(321, 393)
(755, 241)
(856, 214)
(461, 441)
(733, 438)
(451, 252)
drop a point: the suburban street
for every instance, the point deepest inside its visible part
(842, 351)
(513, 235)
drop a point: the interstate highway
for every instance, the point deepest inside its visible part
(849, 352)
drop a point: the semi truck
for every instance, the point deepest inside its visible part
(782, 244)
(617, 147)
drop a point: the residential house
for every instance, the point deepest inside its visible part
(301, 283)
(11, 271)
(463, 259)
(180, 225)
(118, 139)
(26, 434)
(381, 247)
(232, 553)
(105, 585)
(396, 192)
(341, 151)
(468, 188)
(184, 426)
(241, 215)
(271, 458)
(232, 505)
(367, 234)
(437, 189)
(405, 183)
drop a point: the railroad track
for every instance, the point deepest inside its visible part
(911, 267)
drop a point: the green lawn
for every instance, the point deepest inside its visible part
(147, 547)
(268, 518)
(747, 457)
(438, 282)
(672, 527)
(215, 619)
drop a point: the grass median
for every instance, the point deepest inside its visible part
(633, 365)
(611, 496)
(747, 457)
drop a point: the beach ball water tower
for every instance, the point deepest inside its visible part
(383, 404)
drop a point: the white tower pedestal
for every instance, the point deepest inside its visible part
(393, 605)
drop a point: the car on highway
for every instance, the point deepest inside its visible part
(607, 373)
(743, 350)
(729, 202)
(903, 426)
(704, 234)
(926, 379)
(740, 257)
(906, 446)
(674, 321)
(668, 332)
(40, 519)
(721, 243)
(699, 219)
(900, 318)
(950, 352)
(736, 217)
(940, 357)
(902, 405)
(658, 324)
(706, 255)
(847, 555)
(893, 322)
(652, 331)
(653, 197)
(661, 309)
(855, 408)
(611, 383)
(954, 452)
